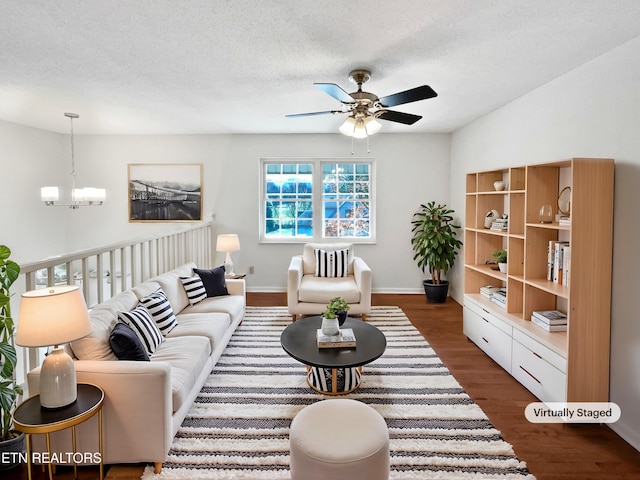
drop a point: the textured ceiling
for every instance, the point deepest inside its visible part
(239, 66)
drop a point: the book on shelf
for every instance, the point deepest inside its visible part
(500, 224)
(499, 297)
(566, 265)
(488, 290)
(550, 253)
(564, 220)
(561, 327)
(344, 339)
(550, 316)
(558, 256)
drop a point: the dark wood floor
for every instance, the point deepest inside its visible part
(551, 451)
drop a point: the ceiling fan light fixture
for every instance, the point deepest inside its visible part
(360, 129)
(372, 125)
(348, 127)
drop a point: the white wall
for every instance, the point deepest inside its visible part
(411, 169)
(592, 111)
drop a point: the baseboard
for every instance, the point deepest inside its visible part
(629, 435)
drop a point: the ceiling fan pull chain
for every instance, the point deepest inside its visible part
(352, 152)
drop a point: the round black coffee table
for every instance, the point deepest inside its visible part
(299, 341)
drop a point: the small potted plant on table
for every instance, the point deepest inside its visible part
(340, 307)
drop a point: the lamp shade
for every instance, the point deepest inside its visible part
(49, 194)
(52, 316)
(227, 242)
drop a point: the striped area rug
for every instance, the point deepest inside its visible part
(238, 428)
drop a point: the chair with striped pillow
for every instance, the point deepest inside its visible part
(324, 271)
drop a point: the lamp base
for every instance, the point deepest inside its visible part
(228, 266)
(58, 386)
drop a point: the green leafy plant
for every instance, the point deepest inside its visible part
(500, 256)
(338, 304)
(9, 389)
(434, 240)
(329, 313)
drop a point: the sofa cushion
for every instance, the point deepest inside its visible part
(232, 304)
(331, 263)
(104, 317)
(213, 280)
(172, 285)
(210, 325)
(321, 290)
(194, 288)
(160, 309)
(95, 346)
(142, 323)
(126, 345)
(187, 356)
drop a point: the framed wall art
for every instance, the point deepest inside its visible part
(165, 192)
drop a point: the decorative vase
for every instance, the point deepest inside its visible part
(342, 316)
(546, 214)
(499, 185)
(503, 267)
(330, 326)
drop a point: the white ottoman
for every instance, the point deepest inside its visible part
(339, 439)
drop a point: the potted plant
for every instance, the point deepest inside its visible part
(500, 257)
(10, 440)
(435, 247)
(330, 325)
(340, 307)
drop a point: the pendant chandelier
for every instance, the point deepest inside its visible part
(87, 196)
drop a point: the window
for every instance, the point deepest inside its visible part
(311, 199)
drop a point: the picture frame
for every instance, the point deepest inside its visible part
(165, 192)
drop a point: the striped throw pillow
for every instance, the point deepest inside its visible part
(141, 322)
(194, 288)
(160, 309)
(331, 263)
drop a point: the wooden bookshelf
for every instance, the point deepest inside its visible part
(578, 358)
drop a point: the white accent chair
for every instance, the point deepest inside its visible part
(309, 295)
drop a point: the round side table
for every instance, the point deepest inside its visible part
(30, 418)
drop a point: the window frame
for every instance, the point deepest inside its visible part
(317, 199)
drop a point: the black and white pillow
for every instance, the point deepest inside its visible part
(160, 309)
(194, 288)
(141, 322)
(126, 344)
(331, 263)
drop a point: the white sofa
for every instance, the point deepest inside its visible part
(146, 401)
(309, 294)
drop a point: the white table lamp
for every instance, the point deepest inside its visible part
(54, 316)
(228, 242)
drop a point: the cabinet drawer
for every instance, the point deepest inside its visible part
(539, 376)
(491, 339)
(488, 316)
(549, 355)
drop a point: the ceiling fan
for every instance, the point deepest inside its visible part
(363, 108)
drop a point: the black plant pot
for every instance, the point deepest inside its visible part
(342, 316)
(436, 293)
(9, 449)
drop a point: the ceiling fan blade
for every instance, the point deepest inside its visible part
(335, 91)
(408, 96)
(399, 117)
(312, 114)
